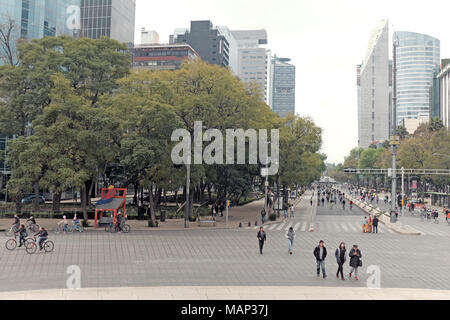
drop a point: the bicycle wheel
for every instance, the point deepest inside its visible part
(69, 229)
(34, 227)
(31, 249)
(126, 228)
(9, 233)
(49, 246)
(28, 242)
(11, 244)
(58, 230)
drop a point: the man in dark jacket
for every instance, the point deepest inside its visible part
(23, 234)
(262, 237)
(375, 225)
(320, 253)
(355, 261)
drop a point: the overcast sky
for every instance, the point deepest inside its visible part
(325, 39)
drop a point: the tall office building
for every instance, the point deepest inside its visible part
(35, 19)
(373, 102)
(418, 56)
(210, 44)
(444, 79)
(233, 62)
(111, 18)
(283, 88)
(253, 60)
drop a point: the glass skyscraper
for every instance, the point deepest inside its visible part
(283, 86)
(418, 56)
(35, 19)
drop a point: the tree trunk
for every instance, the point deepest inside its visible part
(56, 202)
(36, 195)
(84, 205)
(19, 203)
(152, 207)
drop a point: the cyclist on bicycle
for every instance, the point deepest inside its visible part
(32, 220)
(77, 223)
(43, 236)
(119, 222)
(65, 223)
(23, 234)
(16, 223)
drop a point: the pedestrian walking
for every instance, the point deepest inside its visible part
(375, 224)
(285, 213)
(290, 235)
(263, 216)
(320, 253)
(292, 210)
(262, 238)
(355, 261)
(341, 258)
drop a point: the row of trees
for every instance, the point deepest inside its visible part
(80, 113)
(427, 148)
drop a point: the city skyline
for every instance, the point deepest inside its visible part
(330, 37)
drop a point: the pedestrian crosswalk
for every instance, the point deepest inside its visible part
(323, 226)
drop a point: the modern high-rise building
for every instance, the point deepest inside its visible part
(373, 102)
(418, 56)
(212, 46)
(233, 62)
(35, 19)
(253, 60)
(283, 86)
(444, 79)
(110, 18)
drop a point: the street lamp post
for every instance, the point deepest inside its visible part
(188, 186)
(394, 141)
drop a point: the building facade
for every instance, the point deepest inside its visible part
(35, 19)
(149, 37)
(162, 56)
(374, 93)
(283, 87)
(110, 18)
(210, 44)
(253, 60)
(444, 80)
(418, 57)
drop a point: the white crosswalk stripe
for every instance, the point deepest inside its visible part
(281, 226)
(289, 226)
(304, 226)
(344, 227)
(297, 225)
(272, 227)
(353, 227)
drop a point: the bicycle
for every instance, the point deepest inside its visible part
(32, 227)
(11, 244)
(77, 227)
(11, 231)
(48, 246)
(60, 228)
(114, 228)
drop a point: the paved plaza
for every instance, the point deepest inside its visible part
(231, 257)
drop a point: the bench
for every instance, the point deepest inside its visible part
(200, 221)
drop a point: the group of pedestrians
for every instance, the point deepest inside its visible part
(370, 225)
(320, 253)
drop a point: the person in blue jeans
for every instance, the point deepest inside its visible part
(320, 253)
(291, 236)
(43, 236)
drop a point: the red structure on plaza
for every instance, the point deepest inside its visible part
(113, 199)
